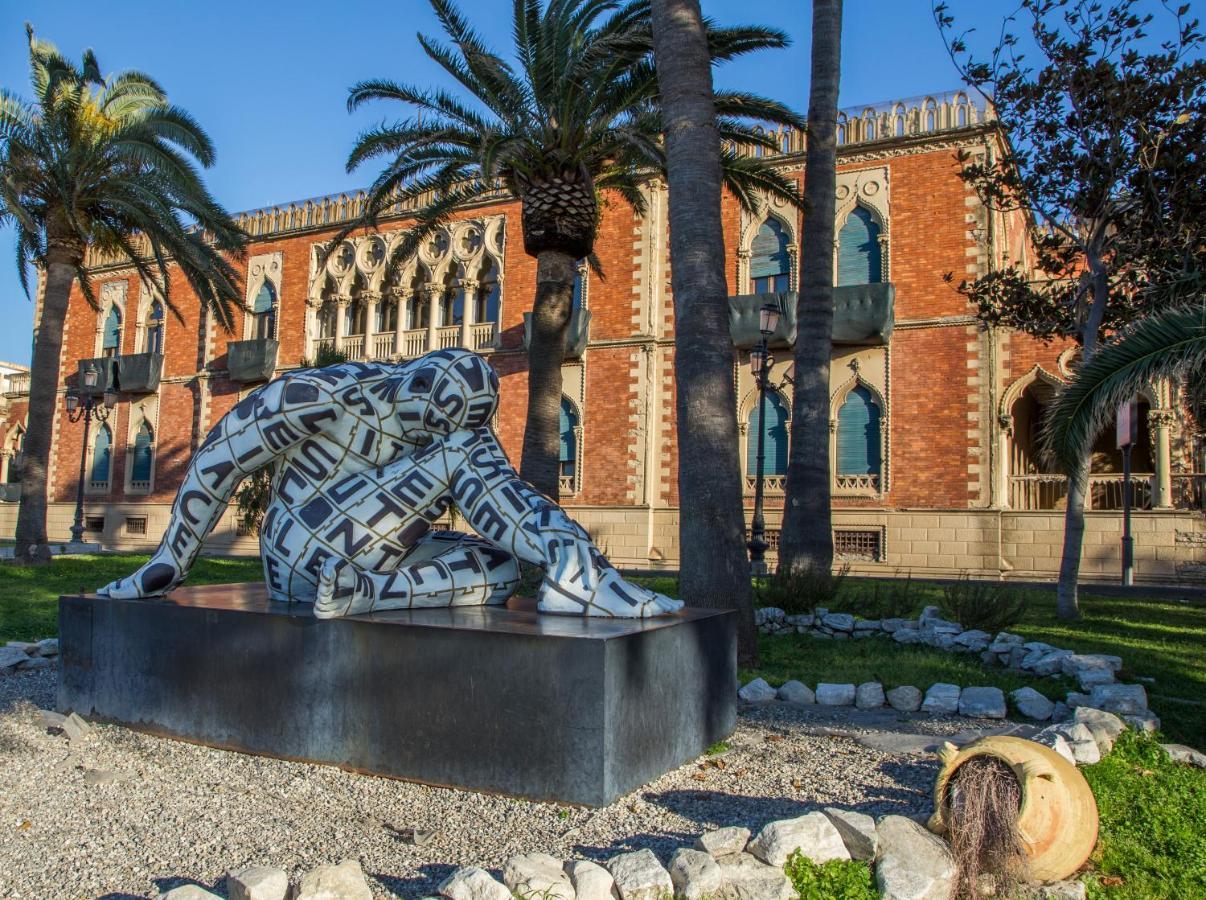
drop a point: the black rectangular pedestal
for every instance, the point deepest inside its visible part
(500, 699)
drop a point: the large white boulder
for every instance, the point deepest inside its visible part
(1123, 699)
(905, 698)
(913, 864)
(1104, 726)
(537, 874)
(695, 874)
(473, 883)
(723, 841)
(857, 830)
(343, 881)
(982, 702)
(257, 883)
(189, 892)
(590, 880)
(748, 878)
(835, 694)
(639, 876)
(941, 699)
(1032, 704)
(869, 695)
(812, 834)
(757, 691)
(11, 657)
(1080, 741)
(1184, 754)
(1056, 742)
(797, 692)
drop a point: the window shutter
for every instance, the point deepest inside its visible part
(775, 445)
(859, 255)
(569, 422)
(768, 255)
(112, 339)
(142, 454)
(858, 434)
(101, 450)
(265, 299)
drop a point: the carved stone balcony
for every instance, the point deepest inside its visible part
(249, 361)
(577, 335)
(138, 373)
(862, 314)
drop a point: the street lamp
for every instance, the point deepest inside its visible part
(83, 405)
(760, 367)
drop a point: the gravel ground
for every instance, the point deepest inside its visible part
(121, 815)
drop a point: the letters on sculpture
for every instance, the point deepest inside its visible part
(366, 456)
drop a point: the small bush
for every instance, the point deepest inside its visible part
(834, 880)
(986, 605)
(885, 600)
(801, 590)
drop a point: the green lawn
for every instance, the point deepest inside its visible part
(29, 596)
(1160, 639)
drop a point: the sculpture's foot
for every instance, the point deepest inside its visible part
(614, 597)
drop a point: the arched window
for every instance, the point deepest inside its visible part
(858, 443)
(775, 440)
(859, 253)
(770, 264)
(102, 457)
(452, 301)
(569, 439)
(263, 312)
(326, 320)
(144, 452)
(16, 447)
(486, 303)
(387, 315)
(418, 305)
(354, 315)
(579, 283)
(111, 341)
(154, 338)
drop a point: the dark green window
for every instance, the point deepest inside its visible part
(569, 438)
(770, 263)
(859, 254)
(858, 442)
(775, 442)
(102, 454)
(111, 343)
(144, 449)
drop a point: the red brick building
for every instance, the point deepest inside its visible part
(933, 415)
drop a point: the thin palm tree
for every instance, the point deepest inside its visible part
(1170, 344)
(806, 540)
(107, 164)
(574, 114)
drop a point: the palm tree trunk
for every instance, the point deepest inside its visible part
(807, 536)
(713, 568)
(43, 389)
(540, 461)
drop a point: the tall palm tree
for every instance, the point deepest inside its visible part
(807, 536)
(574, 114)
(1168, 344)
(713, 568)
(105, 164)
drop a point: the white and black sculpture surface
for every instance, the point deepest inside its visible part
(366, 456)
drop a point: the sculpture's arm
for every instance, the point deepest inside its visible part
(281, 415)
(509, 512)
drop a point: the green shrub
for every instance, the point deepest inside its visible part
(987, 605)
(801, 590)
(894, 599)
(834, 880)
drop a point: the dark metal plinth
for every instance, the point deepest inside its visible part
(496, 699)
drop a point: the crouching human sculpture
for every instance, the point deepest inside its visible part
(366, 456)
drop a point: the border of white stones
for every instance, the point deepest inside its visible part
(22, 655)
(1094, 672)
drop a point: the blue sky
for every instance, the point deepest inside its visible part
(268, 78)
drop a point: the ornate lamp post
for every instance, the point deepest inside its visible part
(760, 366)
(83, 405)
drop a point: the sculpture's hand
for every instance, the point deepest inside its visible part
(157, 577)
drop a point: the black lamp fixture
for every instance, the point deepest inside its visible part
(761, 363)
(81, 404)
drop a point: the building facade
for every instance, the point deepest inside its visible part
(933, 416)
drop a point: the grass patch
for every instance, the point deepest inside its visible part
(718, 748)
(834, 880)
(29, 596)
(1151, 842)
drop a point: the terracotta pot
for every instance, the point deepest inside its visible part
(1058, 818)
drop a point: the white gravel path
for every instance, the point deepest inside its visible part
(122, 815)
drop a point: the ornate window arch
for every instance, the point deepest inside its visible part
(777, 438)
(111, 318)
(858, 447)
(570, 454)
(262, 300)
(861, 247)
(100, 460)
(771, 257)
(142, 458)
(153, 333)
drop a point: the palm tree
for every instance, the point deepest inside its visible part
(806, 540)
(713, 568)
(1168, 344)
(574, 115)
(104, 164)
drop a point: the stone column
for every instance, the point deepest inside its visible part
(399, 319)
(370, 299)
(341, 323)
(1160, 422)
(432, 292)
(469, 293)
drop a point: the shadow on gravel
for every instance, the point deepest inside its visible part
(166, 884)
(423, 885)
(121, 896)
(718, 809)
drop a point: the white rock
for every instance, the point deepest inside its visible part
(982, 702)
(835, 694)
(639, 876)
(747, 878)
(797, 692)
(188, 892)
(1080, 741)
(913, 864)
(1056, 742)
(757, 691)
(892, 625)
(343, 881)
(12, 657)
(930, 612)
(905, 698)
(869, 695)
(590, 880)
(1076, 698)
(941, 699)
(48, 647)
(1124, 699)
(695, 874)
(1005, 637)
(1147, 723)
(839, 621)
(812, 834)
(257, 883)
(769, 615)
(723, 841)
(907, 636)
(1032, 704)
(1104, 726)
(473, 883)
(1049, 662)
(857, 830)
(974, 638)
(1183, 754)
(538, 875)
(1062, 890)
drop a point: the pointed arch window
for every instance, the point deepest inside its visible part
(263, 312)
(155, 323)
(102, 458)
(418, 305)
(488, 300)
(858, 439)
(860, 256)
(111, 336)
(770, 263)
(326, 320)
(569, 439)
(144, 457)
(387, 315)
(16, 447)
(452, 301)
(354, 316)
(774, 441)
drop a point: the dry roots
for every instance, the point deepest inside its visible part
(984, 798)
